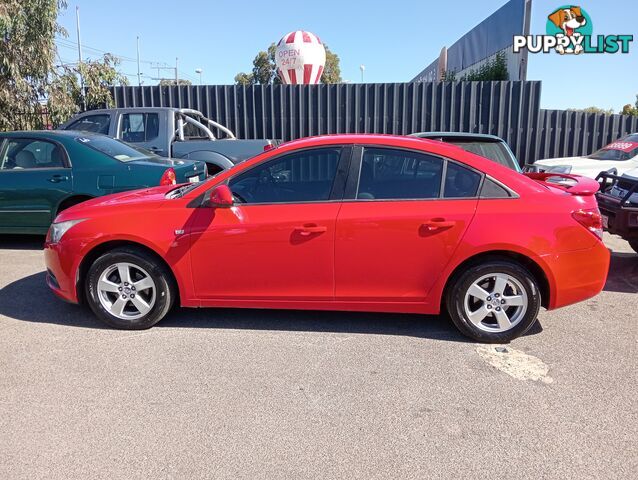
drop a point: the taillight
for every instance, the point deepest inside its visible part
(169, 177)
(268, 146)
(591, 219)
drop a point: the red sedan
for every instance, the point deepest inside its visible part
(343, 222)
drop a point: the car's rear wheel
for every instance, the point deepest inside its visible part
(495, 301)
(129, 289)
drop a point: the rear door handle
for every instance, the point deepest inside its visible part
(58, 178)
(306, 230)
(438, 224)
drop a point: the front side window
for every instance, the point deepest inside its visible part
(305, 176)
(22, 154)
(396, 174)
(92, 123)
(140, 127)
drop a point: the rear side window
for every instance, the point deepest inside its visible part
(140, 127)
(92, 123)
(491, 189)
(396, 174)
(460, 182)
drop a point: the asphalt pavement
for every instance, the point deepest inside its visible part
(255, 394)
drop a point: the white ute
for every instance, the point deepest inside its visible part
(618, 157)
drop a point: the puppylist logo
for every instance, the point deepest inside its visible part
(570, 31)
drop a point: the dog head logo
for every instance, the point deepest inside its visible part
(569, 24)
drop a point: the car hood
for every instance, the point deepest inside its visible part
(585, 166)
(131, 201)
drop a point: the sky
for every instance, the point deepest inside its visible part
(394, 40)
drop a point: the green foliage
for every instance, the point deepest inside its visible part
(171, 82)
(265, 69)
(65, 94)
(495, 69)
(629, 110)
(244, 78)
(27, 51)
(331, 70)
(592, 109)
(28, 78)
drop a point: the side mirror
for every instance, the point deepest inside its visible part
(221, 197)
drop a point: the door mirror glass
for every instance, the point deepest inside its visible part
(221, 197)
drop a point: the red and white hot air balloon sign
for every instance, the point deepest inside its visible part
(300, 58)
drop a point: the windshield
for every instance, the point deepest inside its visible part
(113, 148)
(619, 150)
(495, 151)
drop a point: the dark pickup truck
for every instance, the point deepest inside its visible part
(618, 204)
(171, 132)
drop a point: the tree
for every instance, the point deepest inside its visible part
(171, 82)
(27, 51)
(244, 78)
(66, 96)
(495, 69)
(331, 71)
(265, 69)
(629, 110)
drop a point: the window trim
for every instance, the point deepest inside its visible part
(66, 160)
(358, 160)
(336, 191)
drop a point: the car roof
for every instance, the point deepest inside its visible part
(463, 135)
(125, 109)
(50, 134)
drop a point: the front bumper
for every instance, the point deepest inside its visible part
(61, 272)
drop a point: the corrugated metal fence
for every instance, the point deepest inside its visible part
(566, 133)
(510, 110)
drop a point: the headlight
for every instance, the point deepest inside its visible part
(57, 230)
(559, 169)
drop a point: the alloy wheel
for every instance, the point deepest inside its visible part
(126, 291)
(496, 302)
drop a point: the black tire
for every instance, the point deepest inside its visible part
(141, 261)
(634, 245)
(458, 288)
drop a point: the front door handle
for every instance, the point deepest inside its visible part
(58, 178)
(438, 224)
(309, 229)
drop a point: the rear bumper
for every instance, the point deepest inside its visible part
(60, 273)
(578, 275)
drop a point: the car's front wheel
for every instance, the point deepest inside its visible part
(129, 289)
(494, 302)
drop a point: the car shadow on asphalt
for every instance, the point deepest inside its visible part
(623, 273)
(49, 309)
(21, 242)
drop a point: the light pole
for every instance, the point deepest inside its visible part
(362, 68)
(199, 70)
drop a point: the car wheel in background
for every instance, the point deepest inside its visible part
(494, 302)
(129, 289)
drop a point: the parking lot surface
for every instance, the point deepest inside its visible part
(287, 394)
